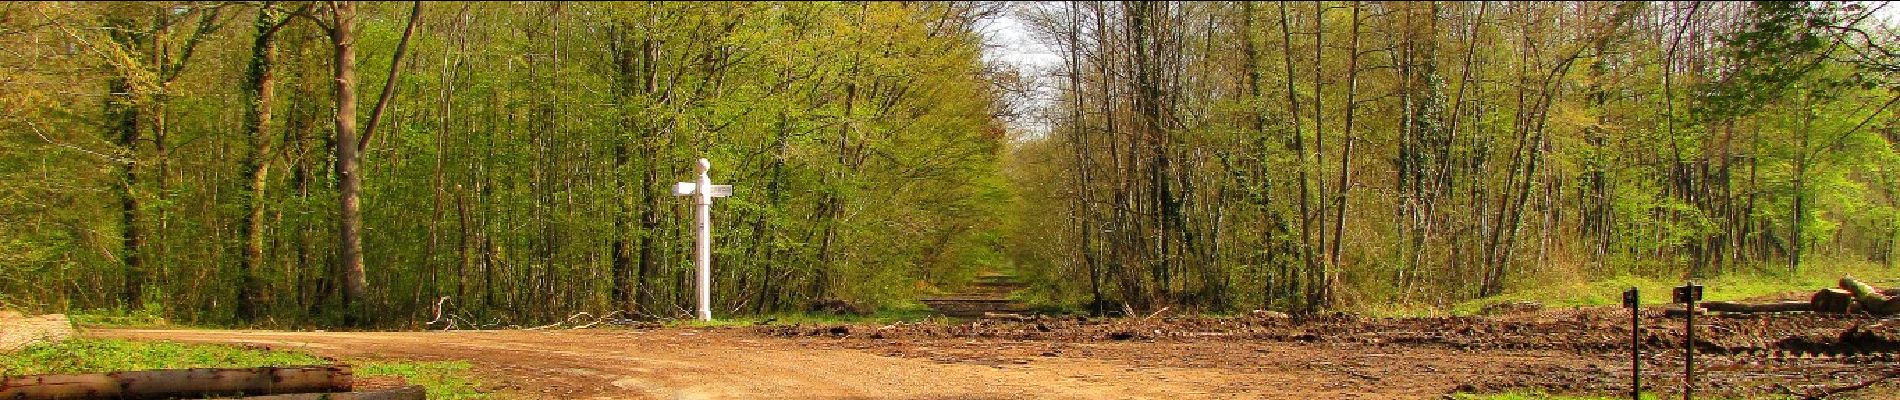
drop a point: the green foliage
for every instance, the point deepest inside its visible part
(1780, 45)
(1496, 151)
(521, 171)
(151, 316)
(524, 143)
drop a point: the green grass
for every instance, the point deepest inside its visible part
(443, 379)
(1733, 286)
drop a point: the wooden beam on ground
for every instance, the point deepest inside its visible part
(1734, 307)
(1676, 310)
(177, 383)
(402, 393)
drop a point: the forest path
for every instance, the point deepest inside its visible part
(721, 364)
(989, 293)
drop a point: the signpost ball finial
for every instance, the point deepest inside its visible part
(704, 165)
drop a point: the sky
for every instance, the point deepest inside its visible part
(1014, 43)
(1011, 43)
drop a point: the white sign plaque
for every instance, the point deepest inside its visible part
(683, 189)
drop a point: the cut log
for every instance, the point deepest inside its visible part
(402, 393)
(176, 383)
(1734, 307)
(1832, 300)
(1863, 292)
(1871, 299)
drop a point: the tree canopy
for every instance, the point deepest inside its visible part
(319, 163)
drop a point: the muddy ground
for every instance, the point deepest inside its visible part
(1583, 351)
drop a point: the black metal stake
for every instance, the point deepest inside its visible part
(1688, 295)
(1688, 360)
(1633, 301)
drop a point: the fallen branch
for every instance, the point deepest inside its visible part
(598, 321)
(584, 316)
(570, 318)
(438, 315)
(1156, 313)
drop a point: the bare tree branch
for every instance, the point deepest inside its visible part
(389, 85)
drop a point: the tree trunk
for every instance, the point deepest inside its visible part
(1078, 143)
(132, 238)
(261, 88)
(122, 112)
(349, 146)
(650, 181)
(622, 257)
(1299, 149)
(1345, 152)
(348, 158)
(1798, 219)
(627, 83)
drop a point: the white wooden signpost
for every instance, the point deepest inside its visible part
(703, 191)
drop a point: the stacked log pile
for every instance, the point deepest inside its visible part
(1853, 296)
(270, 383)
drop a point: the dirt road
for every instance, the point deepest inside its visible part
(716, 364)
(1571, 351)
(736, 364)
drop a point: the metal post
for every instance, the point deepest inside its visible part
(1688, 295)
(1688, 359)
(1633, 301)
(702, 239)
